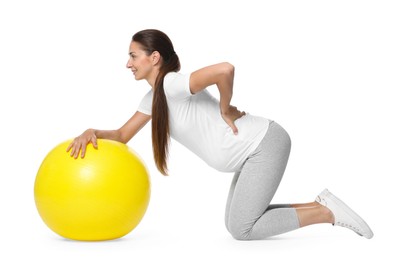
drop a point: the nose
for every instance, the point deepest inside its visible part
(129, 64)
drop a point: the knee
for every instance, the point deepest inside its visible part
(248, 232)
(238, 232)
(239, 236)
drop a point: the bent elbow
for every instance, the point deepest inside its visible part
(228, 68)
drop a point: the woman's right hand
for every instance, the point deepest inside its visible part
(78, 145)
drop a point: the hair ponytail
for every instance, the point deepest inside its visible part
(160, 126)
(155, 40)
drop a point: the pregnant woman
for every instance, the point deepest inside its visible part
(255, 148)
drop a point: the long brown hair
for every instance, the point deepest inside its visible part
(155, 40)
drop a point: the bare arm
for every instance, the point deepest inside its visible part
(123, 134)
(221, 75)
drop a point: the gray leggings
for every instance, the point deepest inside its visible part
(248, 213)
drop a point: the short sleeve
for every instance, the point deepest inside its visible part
(176, 85)
(146, 104)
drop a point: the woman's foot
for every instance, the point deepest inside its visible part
(344, 216)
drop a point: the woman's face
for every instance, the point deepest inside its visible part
(140, 64)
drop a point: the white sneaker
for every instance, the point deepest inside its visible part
(344, 215)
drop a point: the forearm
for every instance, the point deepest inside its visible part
(127, 131)
(226, 93)
(107, 134)
(225, 86)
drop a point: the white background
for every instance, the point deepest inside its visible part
(322, 69)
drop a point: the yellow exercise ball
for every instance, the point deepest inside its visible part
(100, 197)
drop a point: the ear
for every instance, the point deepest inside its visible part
(155, 57)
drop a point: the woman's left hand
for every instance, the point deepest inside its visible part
(230, 115)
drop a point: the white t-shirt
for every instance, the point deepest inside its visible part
(196, 123)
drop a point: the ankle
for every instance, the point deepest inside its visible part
(327, 213)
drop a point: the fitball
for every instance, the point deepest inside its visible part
(102, 196)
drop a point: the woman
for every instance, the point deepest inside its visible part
(255, 148)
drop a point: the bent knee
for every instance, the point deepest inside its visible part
(247, 233)
(239, 233)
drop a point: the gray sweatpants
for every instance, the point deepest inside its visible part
(249, 215)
